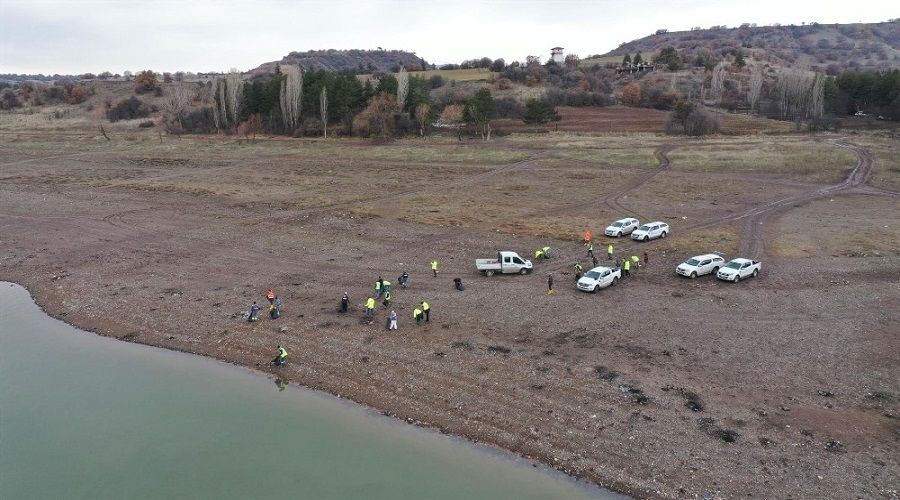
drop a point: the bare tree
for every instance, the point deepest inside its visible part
(717, 82)
(422, 112)
(452, 117)
(291, 97)
(174, 108)
(756, 81)
(801, 94)
(402, 87)
(323, 110)
(228, 96)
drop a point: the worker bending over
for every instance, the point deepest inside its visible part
(426, 310)
(417, 313)
(434, 267)
(254, 312)
(281, 358)
(578, 271)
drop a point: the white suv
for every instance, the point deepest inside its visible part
(738, 269)
(622, 227)
(700, 265)
(650, 231)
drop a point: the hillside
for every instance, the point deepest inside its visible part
(831, 47)
(355, 60)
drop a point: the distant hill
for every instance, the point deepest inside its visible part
(831, 47)
(355, 60)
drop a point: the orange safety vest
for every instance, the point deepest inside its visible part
(270, 294)
(587, 236)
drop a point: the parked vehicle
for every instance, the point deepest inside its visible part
(650, 231)
(505, 263)
(599, 277)
(700, 265)
(738, 269)
(622, 227)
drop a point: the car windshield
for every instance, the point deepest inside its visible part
(733, 265)
(693, 262)
(592, 275)
(645, 227)
(617, 224)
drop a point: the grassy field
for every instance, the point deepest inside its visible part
(460, 75)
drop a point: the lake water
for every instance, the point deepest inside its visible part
(83, 416)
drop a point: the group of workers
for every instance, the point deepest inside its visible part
(422, 312)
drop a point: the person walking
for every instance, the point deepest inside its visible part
(393, 320)
(345, 302)
(370, 306)
(434, 267)
(609, 252)
(404, 279)
(385, 286)
(594, 260)
(271, 296)
(590, 249)
(417, 313)
(626, 268)
(578, 271)
(387, 299)
(254, 312)
(550, 284)
(646, 258)
(426, 310)
(635, 261)
(378, 287)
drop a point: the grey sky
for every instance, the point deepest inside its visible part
(70, 37)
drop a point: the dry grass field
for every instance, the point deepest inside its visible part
(780, 386)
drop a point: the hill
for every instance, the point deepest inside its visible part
(831, 47)
(355, 60)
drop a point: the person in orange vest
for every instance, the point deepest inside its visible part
(271, 296)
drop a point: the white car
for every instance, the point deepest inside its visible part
(599, 277)
(700, 265)
(650, 231)
(738, 269)
(622, 227)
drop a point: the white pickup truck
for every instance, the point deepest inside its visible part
(738, 269)
(505, 263)
(599, 277)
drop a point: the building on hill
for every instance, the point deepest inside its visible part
(556, 55)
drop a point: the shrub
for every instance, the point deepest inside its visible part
(508, 107)
(9, 100)
(128, 109)
(631, 94)
(690, 120)
(146, 124)
(199, 121)
(539, 111)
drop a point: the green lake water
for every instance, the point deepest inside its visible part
(86, 417)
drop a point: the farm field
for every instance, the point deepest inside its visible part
(660, 387)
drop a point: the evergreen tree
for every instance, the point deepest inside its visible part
(539, 111)
(626, 60)
(479, 111)
(638, 59)
(739, 59)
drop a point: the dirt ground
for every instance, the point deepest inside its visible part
(782, 386)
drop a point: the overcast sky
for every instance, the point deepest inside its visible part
(71, 37)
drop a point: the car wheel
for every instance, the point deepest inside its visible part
(619, 235)
(615, 281)
(523, 271)
(755, 272)
(663, 235)
(646, 238)
(693, 274)
(715, 270)
(737, 277)
(596, 288)
(489, 273)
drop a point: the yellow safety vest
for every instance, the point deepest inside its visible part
(425, 306)
(609, 249)
(416, 312)
(434, 265)
(628, 265)
(282, 352)
(387, 283)
(546, 249)
(635, 259)
(538, 253)
(370, 303)
(378, 285)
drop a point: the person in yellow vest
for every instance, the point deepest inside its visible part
(538, 254)
(434, 266)
(546, 251)
(609, 252)
(635, 261)
(281, 359)
(385, 286)
(378, 287)
(626, 268)
(370, 306)
(426, 310)
(579, 270)
(590, 247)
(417, 313)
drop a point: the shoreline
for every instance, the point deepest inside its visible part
(536, 461)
